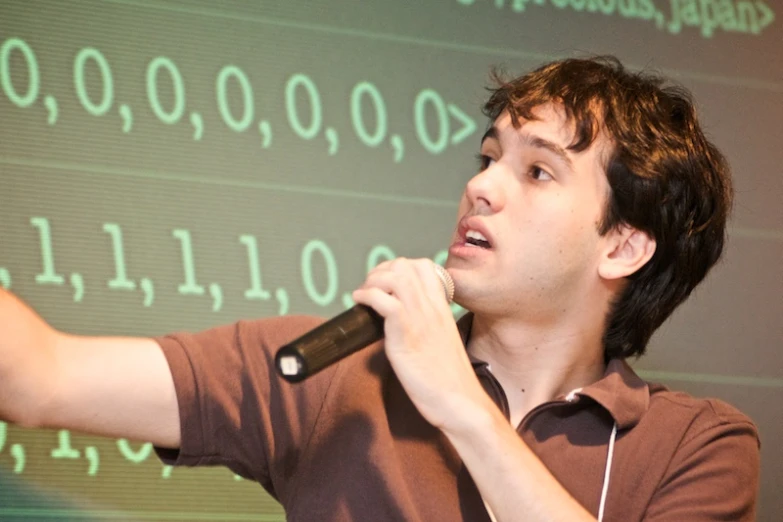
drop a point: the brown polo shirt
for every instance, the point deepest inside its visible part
(347, 444)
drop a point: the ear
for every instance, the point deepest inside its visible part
(628, 249)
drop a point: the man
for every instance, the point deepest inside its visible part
(598, 207)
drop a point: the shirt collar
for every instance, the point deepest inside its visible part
(620, 391)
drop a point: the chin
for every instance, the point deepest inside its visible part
(465, 294)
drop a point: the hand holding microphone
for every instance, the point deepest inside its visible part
(339, 337)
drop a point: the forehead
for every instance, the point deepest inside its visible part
(550, 122)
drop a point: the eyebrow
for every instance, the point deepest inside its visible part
(535, 141)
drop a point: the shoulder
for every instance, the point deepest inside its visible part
(706, 417)
(243, 333)
(703, 455)
(278, 330)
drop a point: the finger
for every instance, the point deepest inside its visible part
(389, 264)
(384, 280)
(403, 282)
(416, 281)
(397, 277)
(432, 283)
(382, 302)
(434, 286)
(382, 267)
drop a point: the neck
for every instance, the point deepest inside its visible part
(534, 363)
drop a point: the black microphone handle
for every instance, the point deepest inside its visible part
(326, 344)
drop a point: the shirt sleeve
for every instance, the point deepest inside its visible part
(234, 409)
(714, 475)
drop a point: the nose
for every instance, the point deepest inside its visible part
(485, 189)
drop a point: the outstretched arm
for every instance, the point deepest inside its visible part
(108, 386)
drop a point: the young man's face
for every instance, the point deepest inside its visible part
(527, 233)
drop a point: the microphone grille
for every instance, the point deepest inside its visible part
(446, 281)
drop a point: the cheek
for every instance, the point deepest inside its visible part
(583, 213)
(462, 208)
(562, 222)
(566, 234)
(559, 218)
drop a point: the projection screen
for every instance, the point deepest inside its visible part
(172, 165)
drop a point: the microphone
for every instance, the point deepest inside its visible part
(338, 338)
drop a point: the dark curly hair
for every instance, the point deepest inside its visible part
(667, 179)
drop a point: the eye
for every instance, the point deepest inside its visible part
(540, 174)
(483, 161)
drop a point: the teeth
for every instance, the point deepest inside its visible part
(472, 234)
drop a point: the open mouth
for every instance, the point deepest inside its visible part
(474, 238)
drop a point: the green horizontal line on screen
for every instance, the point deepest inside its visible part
(189, 178)
(751, 83)
(753, 233)
(735, 380)
(56, 514)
